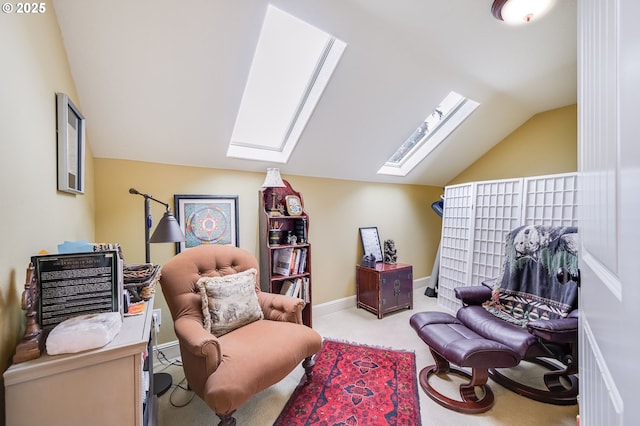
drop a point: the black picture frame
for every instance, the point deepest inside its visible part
(63, 291)
(371, 242)
(207, 219)
(70, 127)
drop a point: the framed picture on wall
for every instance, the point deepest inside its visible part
(371, 242)
(207, 219)
(71, 129)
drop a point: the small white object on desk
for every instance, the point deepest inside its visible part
(83, 332)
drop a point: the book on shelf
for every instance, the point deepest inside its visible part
(304, 290)
(295, 265)
(298, 287)
(303, 260)
(282, 259)
(287, 286)
(289, 261)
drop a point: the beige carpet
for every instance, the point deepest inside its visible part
(357, 325)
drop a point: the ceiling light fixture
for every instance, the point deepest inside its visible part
(520, 11)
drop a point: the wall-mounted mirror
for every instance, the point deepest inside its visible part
(71, 129)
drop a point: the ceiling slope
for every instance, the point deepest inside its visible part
(161, 80)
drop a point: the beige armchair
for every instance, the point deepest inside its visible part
(228, 370)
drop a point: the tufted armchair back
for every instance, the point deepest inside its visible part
(180, 275)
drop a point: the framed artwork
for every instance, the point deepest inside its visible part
(207, 219)
(294, 206)
(371, 242)
(70, 128)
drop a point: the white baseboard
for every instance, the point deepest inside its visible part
(420, 283)
(333, 306)
(171, 350)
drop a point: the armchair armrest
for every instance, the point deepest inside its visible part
(473, 295)
(199, 342)
(563, 330)
(278, 307)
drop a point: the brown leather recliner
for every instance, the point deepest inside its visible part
(228, 370)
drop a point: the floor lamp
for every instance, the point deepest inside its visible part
(167, 231)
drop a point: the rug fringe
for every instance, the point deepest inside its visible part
(387, 348)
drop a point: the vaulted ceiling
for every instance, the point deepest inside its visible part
(161, 80)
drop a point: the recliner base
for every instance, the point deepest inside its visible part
(470, 403)
(557, 393)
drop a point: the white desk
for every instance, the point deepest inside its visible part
(105, 386)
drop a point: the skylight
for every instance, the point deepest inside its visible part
(444, 119)
(291, 67)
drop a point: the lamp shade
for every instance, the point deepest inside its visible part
(520, 11)
(273, 179)
(168, 230)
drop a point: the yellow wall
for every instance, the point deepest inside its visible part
(336, 210)
(545, 144)
(35, 215)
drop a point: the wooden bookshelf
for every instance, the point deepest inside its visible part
(280, 259)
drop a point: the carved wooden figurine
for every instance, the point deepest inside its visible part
(390, 254)
(29, 346)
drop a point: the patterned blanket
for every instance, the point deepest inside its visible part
(527, 288)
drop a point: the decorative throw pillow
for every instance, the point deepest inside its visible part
(229, 302)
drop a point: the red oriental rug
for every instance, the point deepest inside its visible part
(355, 385)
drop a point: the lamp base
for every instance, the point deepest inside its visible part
(274, 211)
(161, 383)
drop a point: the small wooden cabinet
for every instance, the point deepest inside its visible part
(105, 386)
(385, 288)
(285, 237)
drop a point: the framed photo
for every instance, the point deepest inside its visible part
(63, 291)
(207, 219)
(294, 206)
(371, 242)
(70, 129)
